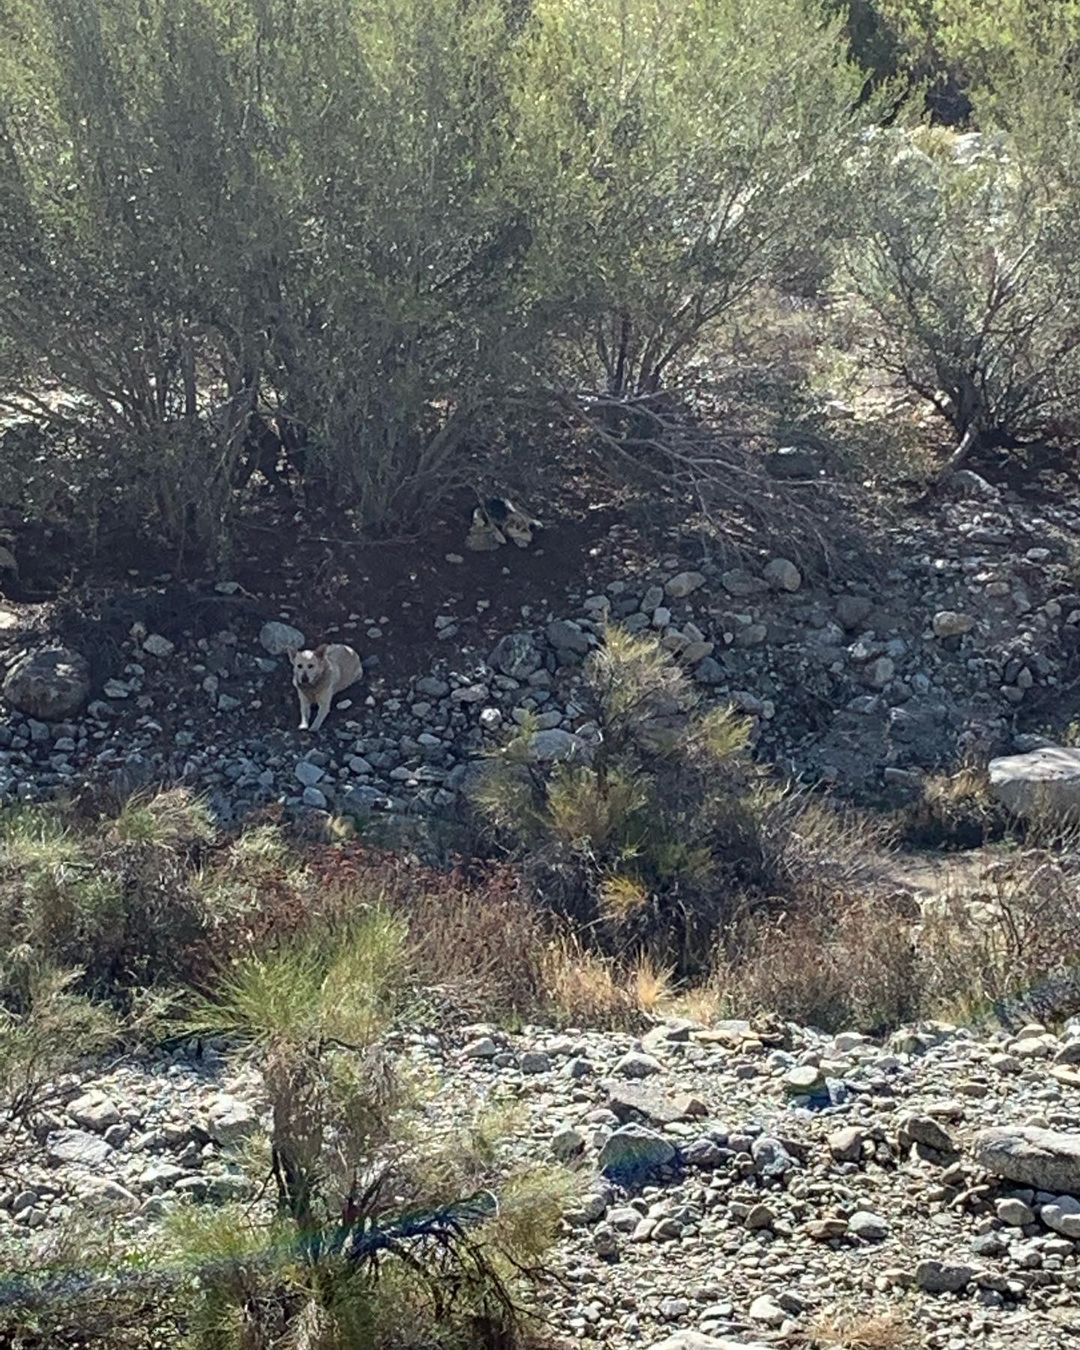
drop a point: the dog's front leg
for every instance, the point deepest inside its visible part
(324, 708)
(305, 709)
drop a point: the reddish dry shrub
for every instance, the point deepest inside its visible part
(475, 938)
(849, 964)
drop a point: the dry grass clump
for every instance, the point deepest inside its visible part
(890, 1330)
(1010, 949)
(954, 811)
(843, 964)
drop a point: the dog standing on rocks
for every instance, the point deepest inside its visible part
(319, 674)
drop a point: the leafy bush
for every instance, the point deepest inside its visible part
(115, 899)
(384, 225)
(693, 153)
(966, 265)
(300, 208)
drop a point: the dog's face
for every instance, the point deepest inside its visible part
(518, 528)
(308, 666)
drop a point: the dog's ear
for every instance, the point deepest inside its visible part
(290, 652)
(320, 650)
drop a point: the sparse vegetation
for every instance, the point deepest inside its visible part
(662, 834)
(291, 279)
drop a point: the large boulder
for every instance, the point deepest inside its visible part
(50, 684)
(1046, 1160)
(1045, 781)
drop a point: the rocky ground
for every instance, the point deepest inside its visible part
(961, 638)
(750, 1184)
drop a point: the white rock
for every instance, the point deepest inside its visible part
(94, 1111)
(1046, 780)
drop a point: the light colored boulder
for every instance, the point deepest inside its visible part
(1046, 1160)
(1041, 781)
(50, 684)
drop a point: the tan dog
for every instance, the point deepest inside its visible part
(318, 675)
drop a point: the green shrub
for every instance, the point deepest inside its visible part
(383, 1233)
(661, 834)
(966, 266)
(693, 152)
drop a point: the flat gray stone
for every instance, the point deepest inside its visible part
(1042, 781)
(78, 1147)
(1046, 1160)
(634, 1151)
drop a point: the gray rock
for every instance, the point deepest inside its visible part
(105, 1196)
(533, 1061)
(548, 747)
(846, 1145)
(315, 798)
(627, 1100)
(1014, 1212)
(684, 584)
(78, 1147)
(868, 1226)
(1063, 1216)
(939, 1277)
(50, 684)
(947, 623)
(706, 1153)
(632, 1151)
(1046, 1160)
(1041, 782)
(767, 1312)
(566, 636)
(926, 1131)
(879, 672)
(230, 1121)
(94, 1111)
(431, 687)
(636, 1065)
(277, 637)
(771, 1158)
(517, 656)
(741, 583)
(309, 774)
(157, 645)
(803, 1079)
(782, 575)
(482, 1048)
(852, 611)
(567, 1143)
